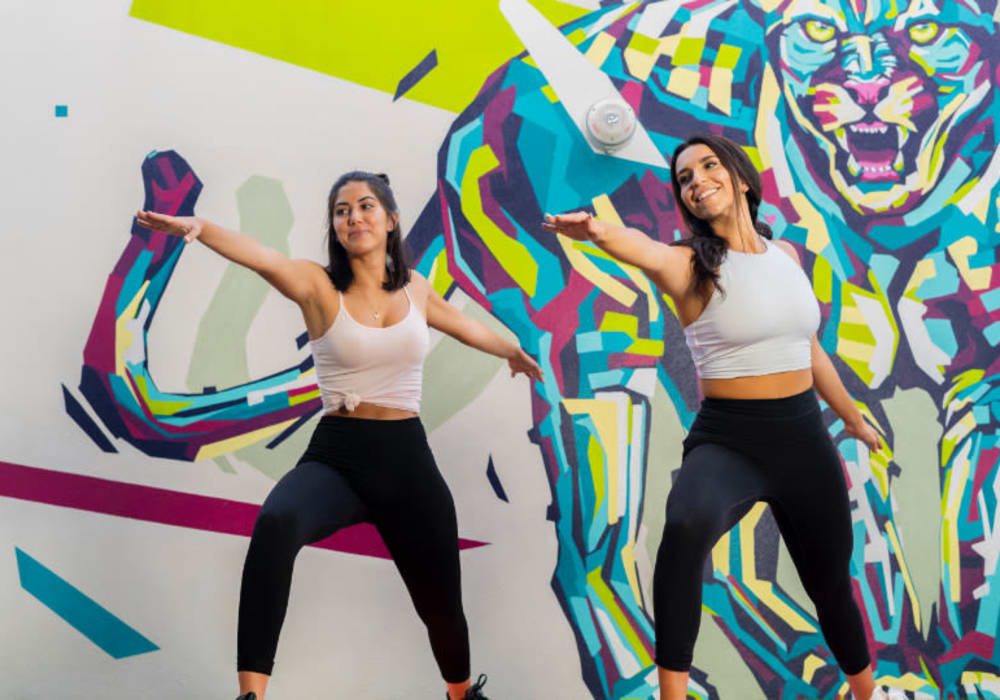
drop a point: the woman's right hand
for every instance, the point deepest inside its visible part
(578, 225)
(188, 227)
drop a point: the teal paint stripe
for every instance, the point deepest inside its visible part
(83, 614)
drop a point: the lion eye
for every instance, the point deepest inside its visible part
(820, 31)
(925, 32)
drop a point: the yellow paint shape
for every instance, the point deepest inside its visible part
(720, 90)
(669, 44)
(607, 596)
(910, 590)
(123, 336)
(929, 162)
(854, 350)
(852, 314)
(214, 449)
(439, 277)
(683, 82)
(628, 563)
(909, 681)
(959, 475)
(764, 590)
(809, 667)
(817, 236)
(513, 257)
(302, 398)
(640, 64)
(600, 279)
(604, 414)
(979, 677)
(978, 279)
(600, 48)
(720, 555)
(769, 94)
(550, 94)
(923, 271)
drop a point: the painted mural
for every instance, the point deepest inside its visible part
(874, 123)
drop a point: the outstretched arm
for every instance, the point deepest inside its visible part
(831, 389)
(447, 319)
(669, 267)
(293, 278)
(829, 386)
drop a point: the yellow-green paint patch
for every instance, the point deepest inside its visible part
(372, 44)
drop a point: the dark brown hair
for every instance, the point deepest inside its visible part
(709, 248)
(397, 267)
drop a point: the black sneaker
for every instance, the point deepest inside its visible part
(475, 691)
(248, 696)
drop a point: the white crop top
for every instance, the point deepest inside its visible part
(381, 366)
(765, 322)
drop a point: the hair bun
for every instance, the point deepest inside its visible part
(383, 177)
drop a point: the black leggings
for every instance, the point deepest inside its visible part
(358, 470)
(739, 452)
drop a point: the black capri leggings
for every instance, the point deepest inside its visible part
(739, 452)
(358, 470)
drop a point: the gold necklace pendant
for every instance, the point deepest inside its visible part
(376, 315)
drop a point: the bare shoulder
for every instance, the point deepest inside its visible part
(789, 250)
(421, 290)
(419, 284)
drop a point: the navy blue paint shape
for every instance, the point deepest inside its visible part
(491, 474)
(416, 75)
(301, 340)
(86, 423)
(283, 435)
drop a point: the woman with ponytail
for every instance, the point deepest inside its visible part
(750, 320)
(367, 316)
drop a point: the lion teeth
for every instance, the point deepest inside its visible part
(869, 128)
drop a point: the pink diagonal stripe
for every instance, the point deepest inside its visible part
(168, 507)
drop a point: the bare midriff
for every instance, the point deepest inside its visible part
(372, 412)
(766, 386)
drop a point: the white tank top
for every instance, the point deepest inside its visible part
(381, 366)
(763, 325)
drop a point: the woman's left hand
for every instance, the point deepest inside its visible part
(521, 362)
(865, 433)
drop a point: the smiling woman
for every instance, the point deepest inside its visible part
(750, 319)
(367, 315)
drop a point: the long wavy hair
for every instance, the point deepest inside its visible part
(397, 267)
(709, 248)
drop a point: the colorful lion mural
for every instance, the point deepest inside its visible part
(874, 123)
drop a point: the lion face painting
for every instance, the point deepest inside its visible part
(886, 100)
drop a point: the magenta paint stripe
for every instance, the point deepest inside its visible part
(168, 507)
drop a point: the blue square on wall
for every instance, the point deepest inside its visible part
(62, 110)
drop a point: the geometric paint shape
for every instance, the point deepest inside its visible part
(62, 110)
(82, 613)
(491, 474)
(168, 507)
(577, 81)
(86, 423)
(471, 38)
(425, 66)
